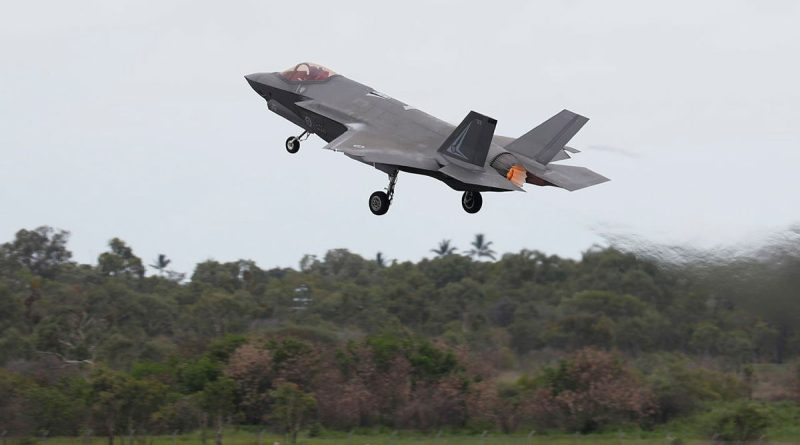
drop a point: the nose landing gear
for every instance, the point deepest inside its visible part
(379, 202)
(293, 142)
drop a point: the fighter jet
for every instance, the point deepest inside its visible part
(378, 130)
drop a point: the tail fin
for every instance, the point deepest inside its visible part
(544, 142)
(471, 139)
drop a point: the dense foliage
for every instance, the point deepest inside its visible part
(524, 341)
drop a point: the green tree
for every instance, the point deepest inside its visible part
(444, 248)
(481, 248)
(380, 260)
(42, 250)
(706, 338)
(218, 275)
(120, 261)
(108, 401)
(292, 409)
(161, 263)
(607, 303)
(744, 423)
(223, 313)
(218, 401)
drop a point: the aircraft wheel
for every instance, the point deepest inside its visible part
(293, 145)
(379, 203)
(471, 202)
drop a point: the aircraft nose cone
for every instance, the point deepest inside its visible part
(263, 83)
(252, 78)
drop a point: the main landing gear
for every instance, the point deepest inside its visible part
(471, 202)
(293, 143)
(379, 202)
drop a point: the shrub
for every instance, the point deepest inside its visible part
(742, 423)
(680, 390)
(590, 391)
(797, 382)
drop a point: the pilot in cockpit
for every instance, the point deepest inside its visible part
(305, 71)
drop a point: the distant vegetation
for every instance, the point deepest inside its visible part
(470, 342)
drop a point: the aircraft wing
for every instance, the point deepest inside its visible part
(570, 177)
(479, 177)
(362, 143)
(365, 145)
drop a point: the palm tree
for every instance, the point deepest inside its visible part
(481, 248)
(380, 260)
(161, 263)
(444, 248)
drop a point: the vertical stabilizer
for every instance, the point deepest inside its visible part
(471, 139)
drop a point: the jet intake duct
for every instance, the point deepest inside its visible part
(510, 167)
(279, 109)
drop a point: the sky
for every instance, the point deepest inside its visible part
(132, 119)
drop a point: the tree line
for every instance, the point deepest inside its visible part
(613, 338)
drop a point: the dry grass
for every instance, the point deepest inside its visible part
(774, 382)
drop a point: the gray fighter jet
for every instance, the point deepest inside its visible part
(373, 128)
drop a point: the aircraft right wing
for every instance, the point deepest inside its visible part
(362, 144)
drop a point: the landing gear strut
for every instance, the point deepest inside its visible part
(471, 202)
(379, 202)
(293, 143)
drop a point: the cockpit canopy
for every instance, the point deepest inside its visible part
(305, 71)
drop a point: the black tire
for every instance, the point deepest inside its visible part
(292, 145)
(471, 202)
(379, 203)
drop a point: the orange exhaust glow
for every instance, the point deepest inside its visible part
(517, 175)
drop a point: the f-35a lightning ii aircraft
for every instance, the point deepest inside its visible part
(373, 128)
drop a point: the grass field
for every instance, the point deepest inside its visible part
(252, 438)
(784, 429)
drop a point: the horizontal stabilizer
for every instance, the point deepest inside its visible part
(471, 140)
(546, 141)
(570, 177)
(485, 178)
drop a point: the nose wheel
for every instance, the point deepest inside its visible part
(293, 142)
(471, 202)
(379, 202)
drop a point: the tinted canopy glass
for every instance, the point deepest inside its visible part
(306, 71)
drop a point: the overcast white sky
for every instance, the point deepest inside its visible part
(132, 119)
